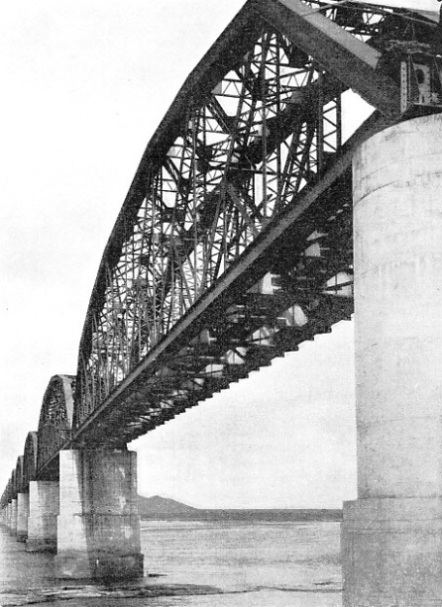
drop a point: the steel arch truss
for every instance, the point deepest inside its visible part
(19, 474)
(24, 472)
(30, 459)
(254, 131)
(54, 427)
(265, 132)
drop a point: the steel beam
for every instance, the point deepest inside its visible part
(352, 61)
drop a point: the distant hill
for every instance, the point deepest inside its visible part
(161, 508)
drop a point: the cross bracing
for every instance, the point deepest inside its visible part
(234, 244)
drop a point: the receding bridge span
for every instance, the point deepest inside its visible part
(235, 242)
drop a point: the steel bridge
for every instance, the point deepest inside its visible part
(234, 243)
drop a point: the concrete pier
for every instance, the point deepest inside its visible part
(13, 519)
(98, 525)
(42, 520)
(392, 534)
(8, 516)
(22, 516)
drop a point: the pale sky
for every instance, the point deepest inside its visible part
(84, 86)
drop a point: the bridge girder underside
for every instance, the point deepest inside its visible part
(234, 244)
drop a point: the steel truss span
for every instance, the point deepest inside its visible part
(234, 244)
(241, 155)
(251, 134)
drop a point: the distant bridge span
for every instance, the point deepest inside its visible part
(234, 243)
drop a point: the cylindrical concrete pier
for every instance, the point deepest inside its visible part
(9, 517)
(22, 516)
(7, 520)
(392, 535)
(13, 527)
(98, 525)
(43, 512)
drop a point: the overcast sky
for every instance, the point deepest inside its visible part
(84, 85)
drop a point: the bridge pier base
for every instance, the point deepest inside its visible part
(22, 516)
(392, 534)
(42, 520)
(98, 525)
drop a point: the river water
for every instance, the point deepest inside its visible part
(196, 564)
